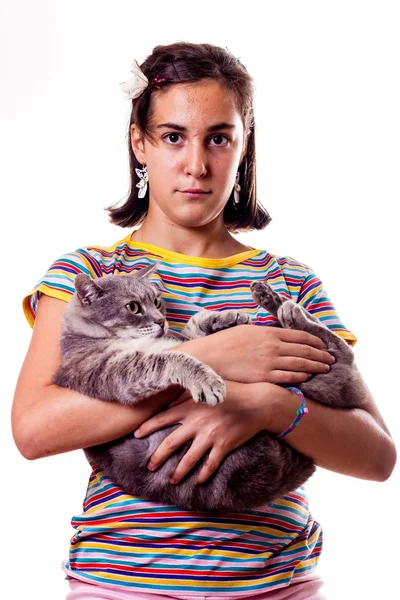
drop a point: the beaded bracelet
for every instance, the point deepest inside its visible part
(303, 410)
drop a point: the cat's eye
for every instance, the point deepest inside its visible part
(133, 307)
(157, 302)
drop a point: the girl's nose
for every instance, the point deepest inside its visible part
(196, 164)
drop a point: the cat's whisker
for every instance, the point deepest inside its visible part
(153, 331)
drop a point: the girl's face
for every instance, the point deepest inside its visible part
(199, 143)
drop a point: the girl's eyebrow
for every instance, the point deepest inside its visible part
(216, 127)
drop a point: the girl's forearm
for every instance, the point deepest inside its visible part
(348, 441)
(63, 420)
(354, 442)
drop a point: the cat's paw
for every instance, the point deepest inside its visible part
(207, 322)
(292, 316)
(266, 297)
(208, 387)
(229, 318)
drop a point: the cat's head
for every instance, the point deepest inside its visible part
(124, 306)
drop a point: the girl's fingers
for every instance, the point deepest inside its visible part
(188, 461)
(172, 442)
(302, 365)
(296, 336)
(212, 463)
(288, 377)
(307, 352)
(172, 416)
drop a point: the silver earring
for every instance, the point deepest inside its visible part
(144, 178)
(236, 190)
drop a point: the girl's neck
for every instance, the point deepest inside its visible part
(216, 242)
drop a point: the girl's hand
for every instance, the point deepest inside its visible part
(251, 354)
(220, 428)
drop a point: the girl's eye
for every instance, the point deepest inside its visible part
(217, 140)
(157, 302)
(133, 307)
(220, 140)
(173, 138)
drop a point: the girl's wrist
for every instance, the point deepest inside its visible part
(272, 406)
(300, 412)
(201, 349)
(284, 404)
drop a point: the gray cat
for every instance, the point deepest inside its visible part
(114, 347)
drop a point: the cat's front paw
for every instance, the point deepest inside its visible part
(266, 297)
(207, 322)
(292, 316)
(229, 318)
(208, 387)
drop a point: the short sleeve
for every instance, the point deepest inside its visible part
(313, 297)
(59, 281)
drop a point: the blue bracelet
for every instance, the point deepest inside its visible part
(303, 410)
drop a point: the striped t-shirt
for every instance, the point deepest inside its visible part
(131, 543)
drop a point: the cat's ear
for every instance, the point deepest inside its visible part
(86, 289)
(147, 270)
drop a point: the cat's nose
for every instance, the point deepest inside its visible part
(160, 322)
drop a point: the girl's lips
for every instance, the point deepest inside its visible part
(194, 194)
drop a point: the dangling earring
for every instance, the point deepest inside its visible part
(236, 190)
(144, 178)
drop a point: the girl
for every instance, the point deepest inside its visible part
(193, 174)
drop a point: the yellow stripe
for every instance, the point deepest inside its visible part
(44, 289)
(184, 526)
(210, 293)
(311, 541)
(282, 504)
(212, 552)
(347, 336)
(227, 261)
(311, 294)
(204, 584)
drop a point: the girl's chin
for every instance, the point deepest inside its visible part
(194, 216)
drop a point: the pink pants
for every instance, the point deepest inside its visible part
(303, 588)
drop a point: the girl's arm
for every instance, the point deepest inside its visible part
(353, 442)
(48, 419)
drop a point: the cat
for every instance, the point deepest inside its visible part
(114, 347)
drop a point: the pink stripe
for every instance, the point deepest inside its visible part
(307, 587)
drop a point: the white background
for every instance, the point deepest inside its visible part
(327, 109)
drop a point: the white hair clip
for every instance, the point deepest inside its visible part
(136, 84)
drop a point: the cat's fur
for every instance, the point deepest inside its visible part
(110, 353)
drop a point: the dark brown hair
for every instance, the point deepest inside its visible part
(185, 62)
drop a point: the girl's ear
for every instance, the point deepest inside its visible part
(137, 143)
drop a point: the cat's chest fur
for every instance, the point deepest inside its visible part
(146, 345)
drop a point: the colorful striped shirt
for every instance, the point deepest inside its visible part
(132, 543)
